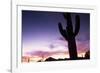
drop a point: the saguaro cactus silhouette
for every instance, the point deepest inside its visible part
(69, 34)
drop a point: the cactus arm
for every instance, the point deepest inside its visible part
(77, 25)
(62, 31)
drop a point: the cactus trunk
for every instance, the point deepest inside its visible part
(72, 48)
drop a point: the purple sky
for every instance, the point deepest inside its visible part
(40, 31)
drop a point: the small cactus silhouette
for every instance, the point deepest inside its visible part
(69, 34)
(87, 55)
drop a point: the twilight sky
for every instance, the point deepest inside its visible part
(41, 36)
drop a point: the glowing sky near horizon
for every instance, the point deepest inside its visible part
(40, 33)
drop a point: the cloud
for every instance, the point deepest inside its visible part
(58, 46)
(52, 46)
(45, 53)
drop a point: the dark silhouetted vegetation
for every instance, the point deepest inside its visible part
(87, 55)
(69, 34)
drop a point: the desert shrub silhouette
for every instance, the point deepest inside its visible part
(87, 55)
(69, 34)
